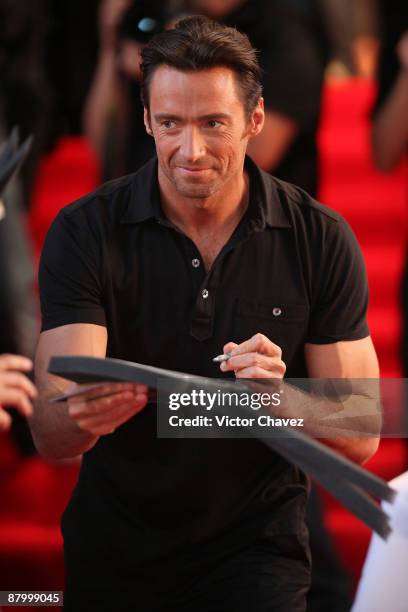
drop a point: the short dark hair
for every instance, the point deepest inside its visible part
(199, 43)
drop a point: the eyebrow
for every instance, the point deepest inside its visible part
(169, 116)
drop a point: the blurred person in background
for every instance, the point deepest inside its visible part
(18, 306)
(71, 55)
(113, 113)
(16, 390)
(18, 311)
(24, 93)
(24, 100)
(340, 24)
(390, 120)
(390, 126)
(48, 51)
(42, 44)
(365, 36)
(383, 583)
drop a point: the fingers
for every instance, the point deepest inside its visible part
(103, 415)
(258, 344)
(16, 390)
(88, 394)
(88, 407)
(276, 371)
(15, 362)
(17, 381)
(255, 365)
(16, 398)
(229, 347)
(5, 420)
(108, 423)
(257, 357)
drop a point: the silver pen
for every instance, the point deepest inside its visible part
(221, 358)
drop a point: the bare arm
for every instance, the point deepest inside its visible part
(354, 359)
(270, 146)
(259, 358)
(106, 100)
(390, 129)
(69, 429)
(101, 100)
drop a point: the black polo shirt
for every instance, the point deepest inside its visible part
(291, 270)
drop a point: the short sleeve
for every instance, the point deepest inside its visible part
(70, 274)
(341, 294)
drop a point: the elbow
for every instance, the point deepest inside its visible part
(49, 450)
(365, 448)
(50, 453)
(55, 454)
(357, 450)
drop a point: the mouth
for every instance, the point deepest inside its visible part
(193, 170)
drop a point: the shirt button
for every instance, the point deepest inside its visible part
(195, 263)
(276, 312)
(204, 293)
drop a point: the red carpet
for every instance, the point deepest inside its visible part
(376, 206)
(34, 492)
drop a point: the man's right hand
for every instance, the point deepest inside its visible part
(102, 415)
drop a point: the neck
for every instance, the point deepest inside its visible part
(201, 215)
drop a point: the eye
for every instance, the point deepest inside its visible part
(213, 123)
(168, 124)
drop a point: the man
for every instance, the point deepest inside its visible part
(167, 267)
(294, 46)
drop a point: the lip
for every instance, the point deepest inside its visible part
(193, 170)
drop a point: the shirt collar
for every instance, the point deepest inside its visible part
(144, 201)
(265, 199)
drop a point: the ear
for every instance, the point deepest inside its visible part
(146, 119)
(257, 119)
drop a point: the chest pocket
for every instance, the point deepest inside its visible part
(283, 323)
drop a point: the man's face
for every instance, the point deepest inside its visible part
(199, 125)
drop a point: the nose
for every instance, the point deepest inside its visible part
(192, 145)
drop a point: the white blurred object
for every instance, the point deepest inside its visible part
(384, 582)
